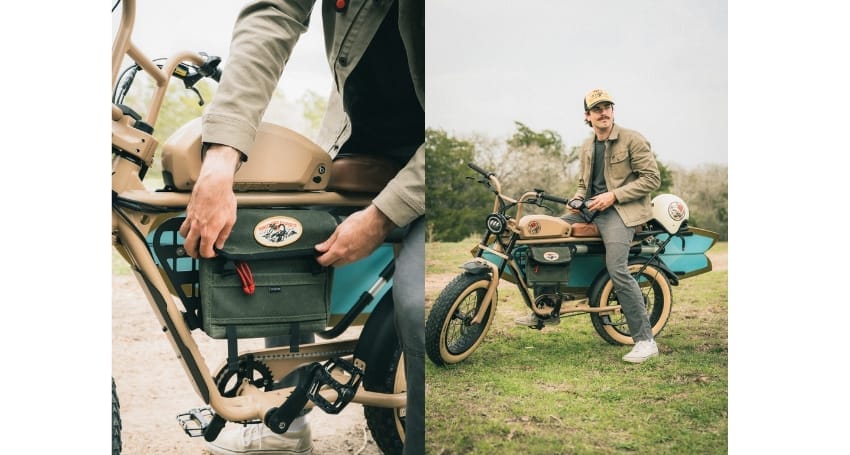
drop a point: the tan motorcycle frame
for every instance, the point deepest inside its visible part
(130, 228)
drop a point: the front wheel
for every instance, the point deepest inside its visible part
(116, 421)
(657, 297)
(450, 334)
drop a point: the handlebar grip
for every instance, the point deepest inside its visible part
(553, 199)
(478, 169)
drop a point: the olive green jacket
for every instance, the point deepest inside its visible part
(630, 172)
(263, 39)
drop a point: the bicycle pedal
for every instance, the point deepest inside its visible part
(345, 392)
(195, 421)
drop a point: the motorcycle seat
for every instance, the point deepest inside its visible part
(591, 230)
(585, 230)
(361, 173)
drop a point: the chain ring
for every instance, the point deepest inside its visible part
(257, 373)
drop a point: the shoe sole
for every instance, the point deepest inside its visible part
(639, 359)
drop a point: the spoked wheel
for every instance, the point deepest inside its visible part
(116, 421)
(657, 297)
(450, 334)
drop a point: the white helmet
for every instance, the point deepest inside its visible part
(670, 211)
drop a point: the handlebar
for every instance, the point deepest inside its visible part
(503, 202)
(479, 170)
(559, 200)
(190, 67)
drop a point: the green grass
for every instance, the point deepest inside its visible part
(565, 390)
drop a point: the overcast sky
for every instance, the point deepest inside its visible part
(490, 63)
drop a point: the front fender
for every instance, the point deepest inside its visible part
(476, 267)
(481, 267)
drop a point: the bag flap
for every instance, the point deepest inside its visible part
(550, 254)
(277, 233)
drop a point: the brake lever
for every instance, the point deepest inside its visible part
(200, 98)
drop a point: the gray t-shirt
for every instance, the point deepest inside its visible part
(597, 177)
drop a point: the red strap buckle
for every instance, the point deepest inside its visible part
(244, 271)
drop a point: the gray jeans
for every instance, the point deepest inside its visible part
(409, 301)
(617, 236)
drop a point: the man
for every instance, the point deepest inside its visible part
(376, 53)
(616, 176)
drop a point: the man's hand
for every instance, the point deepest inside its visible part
(211, 212)
(355, 238)
(601, 202)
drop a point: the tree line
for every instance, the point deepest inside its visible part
(528, 160)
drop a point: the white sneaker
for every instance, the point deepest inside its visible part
(257, 438)
(642, 351)
(531, 320)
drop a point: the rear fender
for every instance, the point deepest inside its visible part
(660, 265)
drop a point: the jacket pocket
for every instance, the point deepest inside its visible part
(619, 166)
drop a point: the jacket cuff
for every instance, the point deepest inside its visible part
(217, 129)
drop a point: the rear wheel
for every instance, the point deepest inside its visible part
(657, 297)
(387, 424)
(450, 334)
(379, 348)
(116, 421)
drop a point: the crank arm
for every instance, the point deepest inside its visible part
(318, 377)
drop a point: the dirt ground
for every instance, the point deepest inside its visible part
(153, 388)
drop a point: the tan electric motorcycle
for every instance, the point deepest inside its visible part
(559, 270)
(289, 193)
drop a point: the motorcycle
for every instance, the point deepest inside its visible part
(559, 270)
(287, 185)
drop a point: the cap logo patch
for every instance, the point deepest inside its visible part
(277, 231)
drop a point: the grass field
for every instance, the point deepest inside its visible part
(565, 390)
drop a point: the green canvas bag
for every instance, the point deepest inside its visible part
(548, 264)
(266, 277)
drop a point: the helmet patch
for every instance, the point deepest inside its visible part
(676, 210)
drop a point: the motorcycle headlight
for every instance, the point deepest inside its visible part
(496, 223)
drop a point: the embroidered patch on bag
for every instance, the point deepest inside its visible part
(551, 256)
(277, 231)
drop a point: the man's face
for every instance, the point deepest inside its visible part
(601, 115)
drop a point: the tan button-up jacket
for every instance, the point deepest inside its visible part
(263, 39)
(630, 172)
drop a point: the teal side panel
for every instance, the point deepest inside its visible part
(352, 280)
(584, 268)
